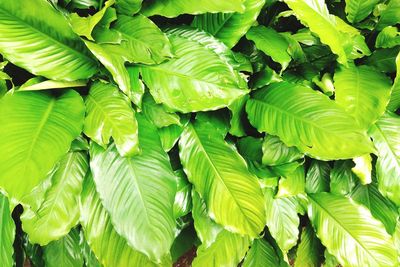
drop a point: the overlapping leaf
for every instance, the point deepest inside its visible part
(7, 233)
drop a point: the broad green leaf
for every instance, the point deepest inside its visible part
(362, 92)
(330, 260)
(227, 250)
(169, 136)
(282, 220)
(89, 257)
(388, 37)
(381, 208)
(317, 178)
(261, 254)
(139, 189)
(109, 246)
(342, 178)
(64, 252)
(143, 41)
(293, 183)
(59, 210)
(384, 60)
(238, 119)
(128, 7)
(326, 84)
(310, 251)
(7, 233)
(394, 102)
(344, 40)
(363, 168)
(271, 43)
(360, 240)
(36, 37)
(230, 27)
(308, 120)
(174, 8)
(390, 16)
(219, 174)
(183, 196)
(357, 10)
(200, 77)
(40, 129)
(386, 136)
(157, 113)
(275, 152)
(84, 26)
(207, 230)
(109, 114)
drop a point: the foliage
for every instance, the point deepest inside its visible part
(251, 132)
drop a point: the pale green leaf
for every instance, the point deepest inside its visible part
(219, 174)
(169, 136)
(282, 220)
(36, 37)
(271, 43)
(138, 192)
(360, 240)
(39, 83)
(40, 129)
(183, 196)
(200, 77)
(174, 8)
(230, 27)
(386, 136)
(64, 252)
(58, 211)
(394, 102)
(308, 120)
(7, 233)
(363, 168)
(110, 247)
(362, 92)
(109, 114)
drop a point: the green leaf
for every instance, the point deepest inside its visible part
(64, 252)
(227, 250)
(59, 210)
(261, 254)
(40, 129)
(381, 208)
(214, 166)
(362, 92)
(157, 114)
(174, 8)
(317, 179)
(271, 43)
(275, 152)
(331, 30)
(139, 189)
(282, 220)
(388, 37)
(357, 10)
(52, 49)
(109, 246)
(128, 7)
(360, 240)
(308, 120)
(386, 136)
(169, 136)
(7, 233)
(143, 41)
(309, 252)
(342, 179)
(84, 26)
(237, 122)
(39, 83)
(293, 183)
(89, 257)
(384, 60)
(183, 196)
(206, 229)
(230, 27)
(109, 114)
(363, 168)
(201, 77)
(394, 102)
(390, 16)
